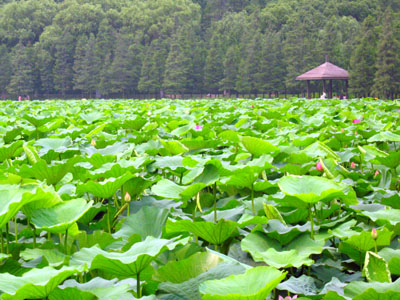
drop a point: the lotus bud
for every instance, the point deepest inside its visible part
(252, 106)
(319, 166)
(353, 165)
(198, 127)
(343, 130)
(93, 143)
(374, 234)
(376, 173)
(355, 121)
(355, 132)
(127, 197)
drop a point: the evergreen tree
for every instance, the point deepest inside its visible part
(363, 60)
(5, 67)
(22, 80)
(153, 67)
(63, 66)
(177, 66)
(272, 69)
(45, 65)
(213, 72)
(249, 67)
(79, 63)
(126, 65)
(86, 65)
(231, 68)
(387, 76)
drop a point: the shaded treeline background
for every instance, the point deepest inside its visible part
(126, 47)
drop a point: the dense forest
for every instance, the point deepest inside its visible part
(100, 48)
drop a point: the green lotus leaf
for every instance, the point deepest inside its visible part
(294, 254)
(170, 190)
(319, 149)
(358, 290)
(214, 233)
(189, 290)
(392, 256)
(97, 288)
(52, 125)
(129, 263)
(312, 189)
(60, 217)
(104, 189)
(284, 234)
(7, 151)
(53, 256)
(258, 147)
(92, 117)
(38, 121)
(229, 135)
(376, 268)
(14, 197)
(303, 285)
(148, 221)
(136, 186)
(191, 267)
(385, 136)
(114, 149)
(34, 284)
(272, 213)
(255, 283)
(135, 124)
(344, 231)
(4, 256)
(55, 144)
(51, 173)
(391, 161)
(384, 216)
(357, 245)
(174, 147)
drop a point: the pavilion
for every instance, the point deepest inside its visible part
(326, 71)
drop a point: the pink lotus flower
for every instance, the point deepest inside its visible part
(342, 129)
(198, 127)
(288, 297)
(355, 132)
(319, 166)
(376, 173)
(374, 234)
(353, 165)
(355, 121)
(252, 106)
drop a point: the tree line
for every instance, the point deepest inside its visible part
(125, 47)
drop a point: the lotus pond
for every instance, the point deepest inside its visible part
(185, 200)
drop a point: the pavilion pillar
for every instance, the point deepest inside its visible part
(330, 89)
(308, 90)
(323, 86)
(347, 88)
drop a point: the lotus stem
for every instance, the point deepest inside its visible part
(376, 246)
(2, 241)
(139, 292)
(311, 221)
(252, 199)
(108, 218)
(215, 201)
(16, 230)
(34, 234)
(116, 203)
(66, 242)
(8, 238)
